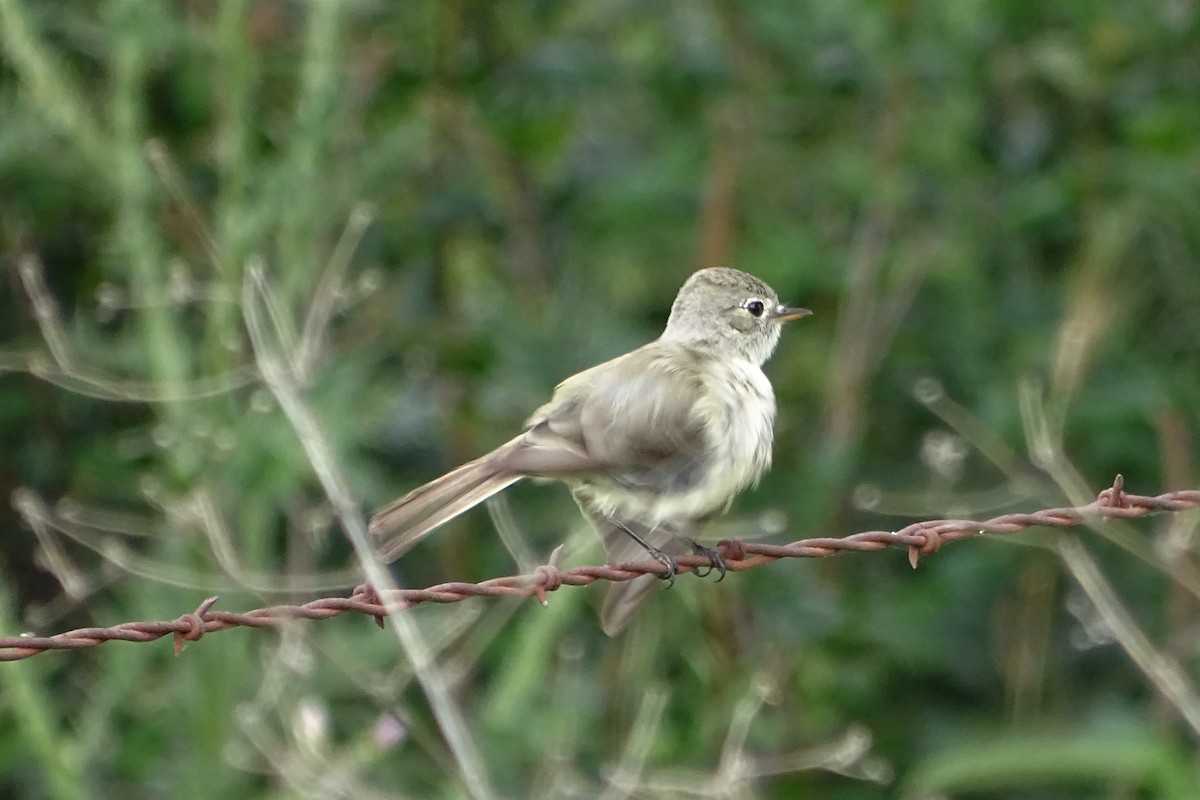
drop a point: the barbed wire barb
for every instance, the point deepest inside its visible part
(919, 539)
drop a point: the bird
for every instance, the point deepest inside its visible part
(651, 444)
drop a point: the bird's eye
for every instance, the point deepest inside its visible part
(756, 308)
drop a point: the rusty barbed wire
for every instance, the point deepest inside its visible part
(920, 538)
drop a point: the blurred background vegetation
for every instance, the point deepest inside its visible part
(993, 209)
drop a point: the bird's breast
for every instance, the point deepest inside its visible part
(740, 417)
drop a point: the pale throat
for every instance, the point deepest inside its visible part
(755, 347)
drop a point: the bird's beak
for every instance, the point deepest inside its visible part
(784, 313)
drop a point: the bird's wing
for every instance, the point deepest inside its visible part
(623, 418)
(635, 412)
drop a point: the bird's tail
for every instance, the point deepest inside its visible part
(406, 521)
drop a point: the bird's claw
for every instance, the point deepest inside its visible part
(715, 560)
(668, 562)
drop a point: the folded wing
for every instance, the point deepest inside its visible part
(627, 417)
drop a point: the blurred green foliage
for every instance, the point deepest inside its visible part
(993, 208)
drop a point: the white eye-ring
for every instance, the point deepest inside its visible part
(755, 307)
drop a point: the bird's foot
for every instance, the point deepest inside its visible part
(667, 561)
(715, 560)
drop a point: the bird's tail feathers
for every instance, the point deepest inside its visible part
(406, 521)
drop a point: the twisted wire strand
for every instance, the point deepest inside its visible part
(919, 538)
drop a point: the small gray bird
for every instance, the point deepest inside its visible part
(651, 444)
